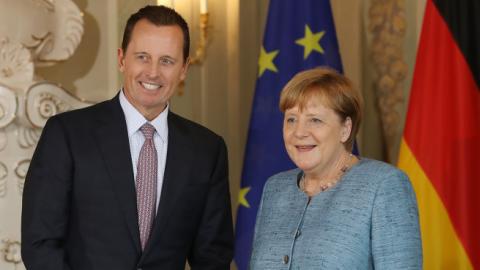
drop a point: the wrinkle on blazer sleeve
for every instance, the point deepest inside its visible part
(45, 206)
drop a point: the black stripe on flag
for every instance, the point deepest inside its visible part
(463, 20)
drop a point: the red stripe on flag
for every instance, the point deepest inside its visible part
(443, 127)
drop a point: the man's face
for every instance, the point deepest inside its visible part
(152, 66)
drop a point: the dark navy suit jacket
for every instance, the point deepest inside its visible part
(79, 202)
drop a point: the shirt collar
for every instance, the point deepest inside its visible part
(135, 119)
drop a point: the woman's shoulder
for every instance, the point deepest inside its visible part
(378, 172)
(283, 178)
(285, 175)
(368, 166)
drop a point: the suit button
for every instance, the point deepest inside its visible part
(298, 233)
(285, 259)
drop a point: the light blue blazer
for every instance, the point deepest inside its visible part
(369, 220)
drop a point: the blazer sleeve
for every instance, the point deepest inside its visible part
(396, 241)
(45, 205)
(257, 230)
(213, 245)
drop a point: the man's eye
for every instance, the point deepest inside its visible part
(142, 57)
(166, 61)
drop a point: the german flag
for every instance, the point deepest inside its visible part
(441, 143)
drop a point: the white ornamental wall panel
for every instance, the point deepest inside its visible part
(32, 33)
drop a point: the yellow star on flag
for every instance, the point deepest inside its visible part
(265, 61)
(242, 200)
(310, 42)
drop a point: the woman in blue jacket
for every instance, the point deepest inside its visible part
(336, 210)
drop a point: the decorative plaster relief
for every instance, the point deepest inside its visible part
(52, 32)
(11, 252)
(3, 180)
(16, 66)
(21, 172)
(3, 140)
(45, 99)
(49, 5)
(28, 137)
(8, 106)
(48, 32)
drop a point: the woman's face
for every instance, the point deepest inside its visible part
(314, 137)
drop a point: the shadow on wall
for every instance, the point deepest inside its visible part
(82, 60)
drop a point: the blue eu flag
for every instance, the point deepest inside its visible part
(299, 35)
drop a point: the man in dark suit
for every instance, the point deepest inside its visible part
(103, 192)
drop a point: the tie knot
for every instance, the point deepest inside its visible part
(147, 131)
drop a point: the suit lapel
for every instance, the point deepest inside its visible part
(179, 160)
(112, 138)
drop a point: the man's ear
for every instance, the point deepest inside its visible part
(121, 59)
(185, 69)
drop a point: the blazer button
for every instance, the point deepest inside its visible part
(298, 233)
(285, 259)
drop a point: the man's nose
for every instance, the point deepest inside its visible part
(153, 70)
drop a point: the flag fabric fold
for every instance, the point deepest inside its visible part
(299, 35)
(441, 141)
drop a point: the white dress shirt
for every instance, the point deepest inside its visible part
(136, 139)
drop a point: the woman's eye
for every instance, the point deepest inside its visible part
(290, 120)
(315, 120)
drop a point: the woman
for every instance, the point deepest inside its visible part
(336, 210)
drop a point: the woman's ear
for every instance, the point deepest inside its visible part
(346, 129)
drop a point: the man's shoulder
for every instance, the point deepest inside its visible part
(86, 114)
(190, 128)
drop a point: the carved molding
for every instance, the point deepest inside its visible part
(21, 171)
(48, 31)
(11, 251)
(8, 106)
(27, 136)
(49, 5)
(52, 32)
(3, 180)
(387, 24)
(45, 99)
(16, 66)
(3, 140)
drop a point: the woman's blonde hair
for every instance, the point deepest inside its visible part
(330, 86)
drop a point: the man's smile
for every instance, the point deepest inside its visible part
(150, 86)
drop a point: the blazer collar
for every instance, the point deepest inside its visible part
(176, 177)
(112, 137)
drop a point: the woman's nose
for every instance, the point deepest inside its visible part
(300, 129)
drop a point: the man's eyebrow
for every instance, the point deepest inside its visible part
(167, 56)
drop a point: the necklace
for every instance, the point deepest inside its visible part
(322, 186)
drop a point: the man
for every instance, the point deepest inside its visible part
(103, 192)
